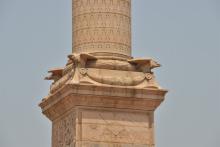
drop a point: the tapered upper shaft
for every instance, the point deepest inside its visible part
(102, 27)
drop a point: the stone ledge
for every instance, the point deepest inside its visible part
(71, 96)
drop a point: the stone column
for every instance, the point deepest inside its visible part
(103, 97)
(102, 27)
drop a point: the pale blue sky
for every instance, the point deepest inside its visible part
(183, 35)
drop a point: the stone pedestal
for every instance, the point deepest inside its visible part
(102, 116)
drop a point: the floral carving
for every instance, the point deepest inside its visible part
(64, 131)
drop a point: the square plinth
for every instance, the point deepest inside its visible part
(103, 127)
(99, 116)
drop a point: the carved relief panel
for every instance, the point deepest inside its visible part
(88, 127)
(109, 128)
(63, 134)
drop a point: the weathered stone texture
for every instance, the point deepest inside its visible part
(64, 130)
(88, 127)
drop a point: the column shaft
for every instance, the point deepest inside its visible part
(102, 27)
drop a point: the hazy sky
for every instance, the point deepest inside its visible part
(183, 35)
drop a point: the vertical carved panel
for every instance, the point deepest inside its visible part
(64, 131)
(88, 127)
(102, 26)
(109, 128)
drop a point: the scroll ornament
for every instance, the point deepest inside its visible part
(88, 69)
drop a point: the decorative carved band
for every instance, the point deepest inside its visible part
(100, 20)
(102, 47)
(105, 35)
